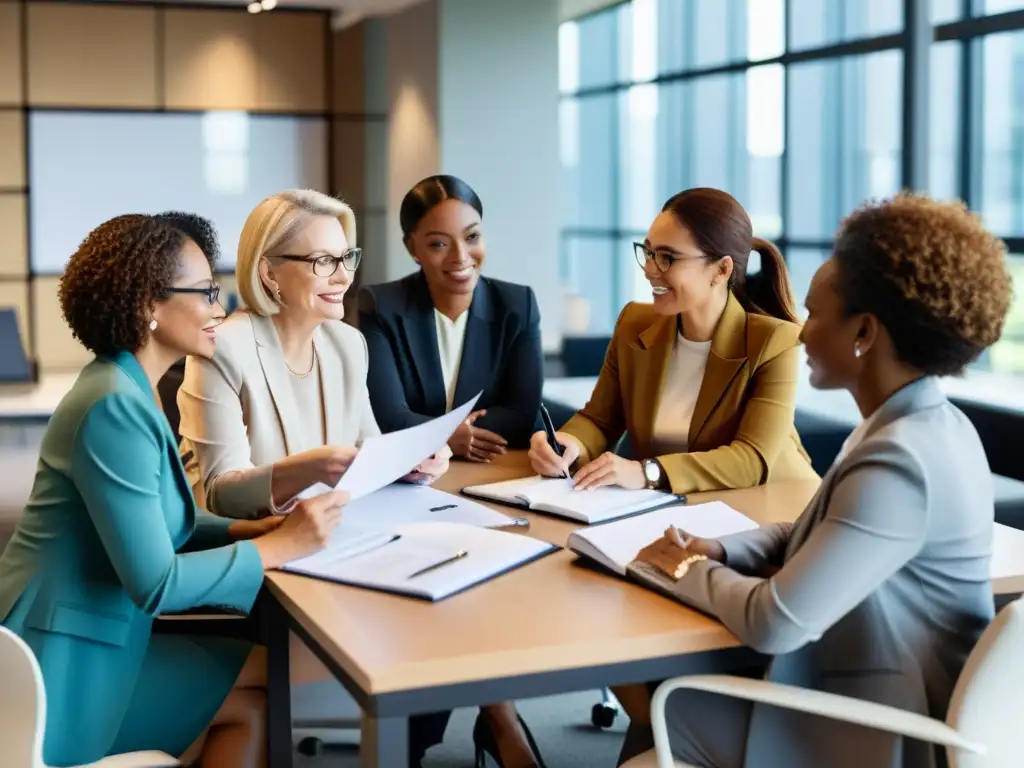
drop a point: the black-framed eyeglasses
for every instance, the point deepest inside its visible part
(211, 292)
(663, 261)
(326, 265)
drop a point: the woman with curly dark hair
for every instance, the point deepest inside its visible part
(881, 588)
(111, 537)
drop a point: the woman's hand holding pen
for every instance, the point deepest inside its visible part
(545, 461)
(476, 443)
(305, 530)
(673, 549)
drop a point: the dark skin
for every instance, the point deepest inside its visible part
(448, 244)
(844, 351)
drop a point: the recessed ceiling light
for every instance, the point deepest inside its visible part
(254, 7)
(268, 5)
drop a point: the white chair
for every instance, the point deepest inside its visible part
(982, 728)
(23, 714)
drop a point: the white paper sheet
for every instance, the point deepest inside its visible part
(384, 459)
(616, 544)
(401, 504)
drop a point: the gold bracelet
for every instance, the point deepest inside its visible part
(684, 566)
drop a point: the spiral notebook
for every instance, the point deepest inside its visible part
(555, 496)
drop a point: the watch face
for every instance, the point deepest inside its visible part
(651, 471)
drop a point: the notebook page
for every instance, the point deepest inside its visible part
(619, 542)
(557, 495)
(518, 490)
(347, 541)
(402, 504)
(490, 552)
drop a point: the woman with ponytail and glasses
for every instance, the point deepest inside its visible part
(702, 380)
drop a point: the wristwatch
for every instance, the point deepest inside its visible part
(652, 473)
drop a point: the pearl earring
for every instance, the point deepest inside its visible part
(856, 350)
(277, 295)
(152, 325)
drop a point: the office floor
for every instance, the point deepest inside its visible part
(561, 725)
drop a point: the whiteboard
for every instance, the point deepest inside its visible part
(87, 167)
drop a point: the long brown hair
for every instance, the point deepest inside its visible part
(721, 227)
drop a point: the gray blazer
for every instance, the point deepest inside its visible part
(239, 416)
(882, 585)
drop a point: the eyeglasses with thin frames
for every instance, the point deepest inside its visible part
(663, 261)
(326, 265)
(211, 292)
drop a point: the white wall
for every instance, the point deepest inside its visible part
(498, 130)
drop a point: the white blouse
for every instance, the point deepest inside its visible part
(679, 395)
(451, 337)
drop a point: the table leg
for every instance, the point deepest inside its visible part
(279, 691)
(384, 742)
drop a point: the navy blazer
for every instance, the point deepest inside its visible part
(501, 356)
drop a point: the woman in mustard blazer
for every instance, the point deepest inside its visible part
(703, 380)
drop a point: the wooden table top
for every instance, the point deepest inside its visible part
(546, 616)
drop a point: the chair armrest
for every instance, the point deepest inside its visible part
(850, 710)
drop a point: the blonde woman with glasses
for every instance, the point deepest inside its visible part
(282, 404)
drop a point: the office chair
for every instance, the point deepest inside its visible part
(15, 367)
(981, 725)
(23, 714)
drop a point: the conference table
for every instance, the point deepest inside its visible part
(551, 626)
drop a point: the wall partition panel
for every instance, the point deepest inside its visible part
(11, 72)
(86, 55)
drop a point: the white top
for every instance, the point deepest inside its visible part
(679, 395)
(309, 401)
(451, 335)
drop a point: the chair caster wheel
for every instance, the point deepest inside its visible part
(602, 716)
(310, 747)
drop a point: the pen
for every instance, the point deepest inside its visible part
(457, 556)
(549, 428)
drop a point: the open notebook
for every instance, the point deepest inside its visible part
(556, 496)
(615, 545)
(450, 557)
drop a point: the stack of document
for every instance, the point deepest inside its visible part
(432, 560)
(556, 496)
(384, 459)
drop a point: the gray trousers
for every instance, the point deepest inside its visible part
(707, 730)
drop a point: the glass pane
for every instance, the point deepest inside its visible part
(943, 172)
(590, 271)
(944, 11)
(815, 23)
(1007, 354)
(766, 29)
(588, 149)
(712, 25)
(597, 41)
(568, 57)
(1001, 127)
(844, 117)
(674, 55)
(802, 264)
(986, 7)
(765, 141)
(639, 157)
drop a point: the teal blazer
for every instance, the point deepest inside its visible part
(111, 538)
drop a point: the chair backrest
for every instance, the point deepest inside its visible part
(988, 702)
(22, 704)
(14, 366)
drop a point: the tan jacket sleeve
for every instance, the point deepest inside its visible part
(602, 420)
(211, 420)
(766, 425)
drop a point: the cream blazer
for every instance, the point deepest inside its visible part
(238, 413)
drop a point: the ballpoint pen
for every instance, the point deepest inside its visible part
(457, 556)
(549, 428)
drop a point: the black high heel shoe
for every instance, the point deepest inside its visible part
(485, 742)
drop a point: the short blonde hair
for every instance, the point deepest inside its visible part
(269, 230)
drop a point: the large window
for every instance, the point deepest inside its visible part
(799, 109)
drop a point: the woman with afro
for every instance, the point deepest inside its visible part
(881, 588)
